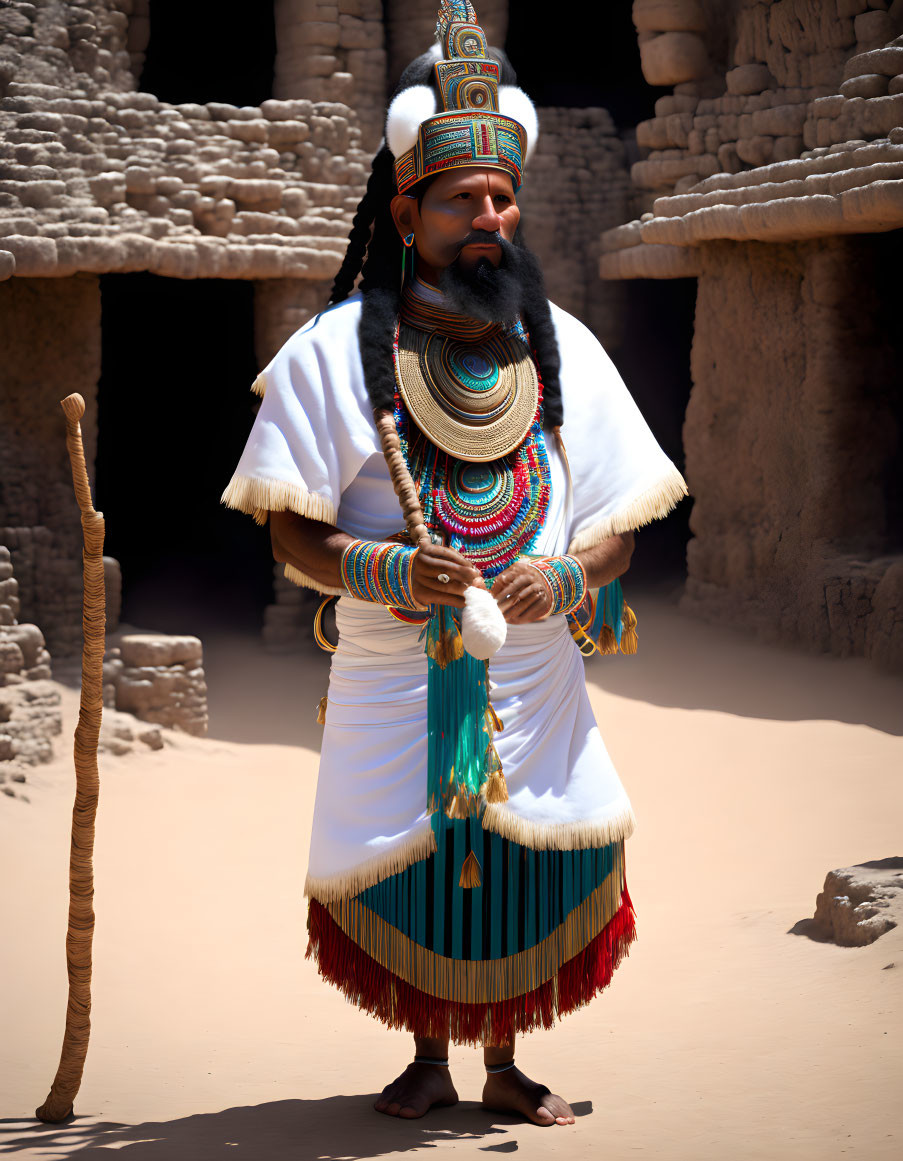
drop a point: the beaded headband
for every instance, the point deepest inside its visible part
(482, 123)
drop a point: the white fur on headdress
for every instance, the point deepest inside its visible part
(515, 103)
(406, 114)
(483, 627)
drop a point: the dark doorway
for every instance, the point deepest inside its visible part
(174, 411)
(201, 52)
(654, 362)
(589, 60)
(594, 62)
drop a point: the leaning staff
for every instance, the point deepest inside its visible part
(80, 933)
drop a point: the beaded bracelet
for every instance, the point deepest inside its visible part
(379, 572)
(566, 581)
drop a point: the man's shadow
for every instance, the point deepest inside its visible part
(338, 1127)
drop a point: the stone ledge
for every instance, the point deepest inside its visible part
(858, 189)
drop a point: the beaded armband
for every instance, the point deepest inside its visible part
(566, 581)
(379, 572)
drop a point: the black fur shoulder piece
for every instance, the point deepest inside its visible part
(376, 337)
(537, 317)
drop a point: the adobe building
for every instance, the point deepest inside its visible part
(176, 194)
(772, 174)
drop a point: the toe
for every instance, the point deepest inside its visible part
(543, 1116)
(560, 1109)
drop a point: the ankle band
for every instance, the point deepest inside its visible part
(431, 1060)
(492, 1069)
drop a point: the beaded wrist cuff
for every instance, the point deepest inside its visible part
(566, 580)
(379, 572)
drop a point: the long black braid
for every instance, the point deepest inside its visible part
(380, 190)
(375, 251)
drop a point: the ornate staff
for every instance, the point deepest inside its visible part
(80, 933)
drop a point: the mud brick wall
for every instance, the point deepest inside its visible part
(50, 336)
(791, 436)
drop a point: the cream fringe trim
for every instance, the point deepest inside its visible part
(259, 386)
(559, 836)
(297, 577)
(350, 883)
(484, 981)
(257, 496)
(653, 504)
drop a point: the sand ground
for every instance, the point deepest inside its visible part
(753, 771)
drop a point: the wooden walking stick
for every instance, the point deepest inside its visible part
(80, 933)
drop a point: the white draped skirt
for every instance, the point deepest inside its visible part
(370, 816)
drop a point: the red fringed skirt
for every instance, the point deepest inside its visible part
(538, 936)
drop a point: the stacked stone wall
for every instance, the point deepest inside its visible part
(333, 50)
(158, 679)
(29, 704)
(50, 338)
(794, 75)
(123, 181)
(81, 46)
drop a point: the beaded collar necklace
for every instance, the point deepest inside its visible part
(492, 511)
(428, 314)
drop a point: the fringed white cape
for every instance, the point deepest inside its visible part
(314, 450)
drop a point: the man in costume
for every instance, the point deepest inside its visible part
(466, 876)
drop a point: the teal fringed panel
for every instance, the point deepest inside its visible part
(458, 737)
(608, 610)
(524, 896)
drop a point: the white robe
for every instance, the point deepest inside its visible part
(314, 450)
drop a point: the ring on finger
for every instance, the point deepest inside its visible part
(443, 578)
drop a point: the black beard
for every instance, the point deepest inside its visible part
(494, 294)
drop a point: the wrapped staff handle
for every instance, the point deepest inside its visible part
(405, 488)
(80, 932)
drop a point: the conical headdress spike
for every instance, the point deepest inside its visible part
(469, 128)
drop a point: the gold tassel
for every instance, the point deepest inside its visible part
(608, 642)
(463, 805)
(446, 647)
(629, 640)
(495, 719)
(496, 788)
(471, 872)
(321, 711)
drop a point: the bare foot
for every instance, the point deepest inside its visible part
(419, 1088)
(512, 1092)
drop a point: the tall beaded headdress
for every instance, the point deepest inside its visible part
(480, 123)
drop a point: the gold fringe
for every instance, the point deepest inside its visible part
(653, 504)
(558, 836)
(482, 981)
(321, 711)
(297, 577)
(259, 386)
(335, 888)
(608, 642)
(471, 872)
(495, 719)
(255, 496)
(629, 639)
